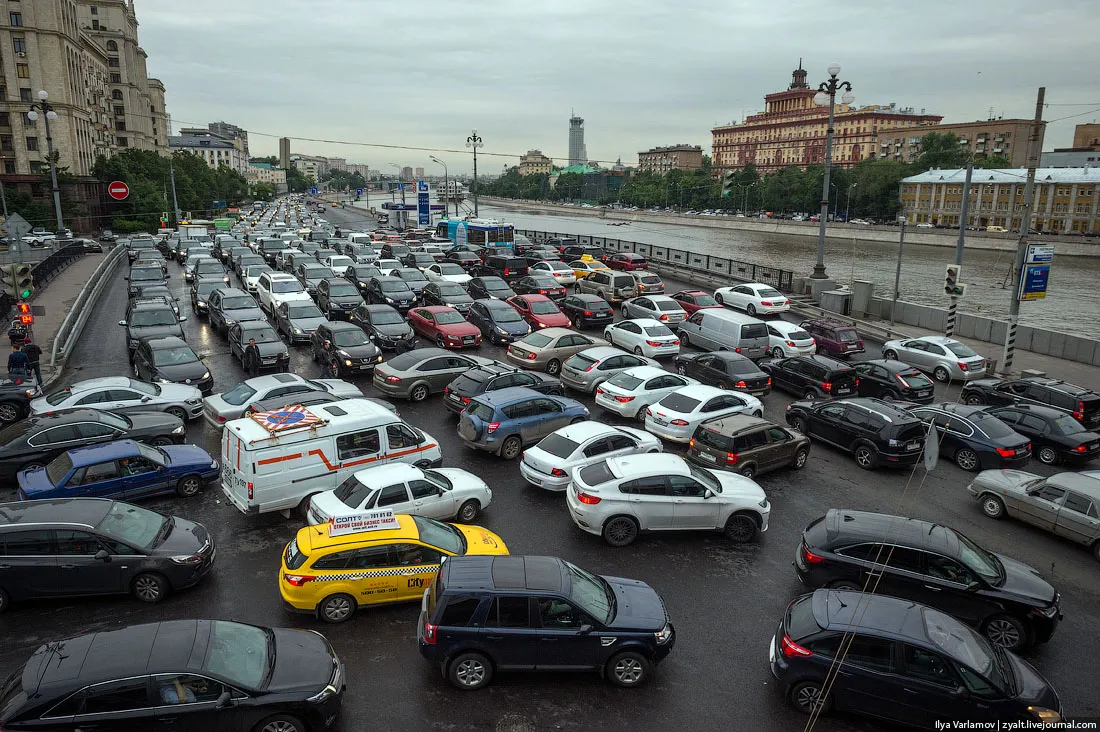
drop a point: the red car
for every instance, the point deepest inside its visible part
(693, 300)
(445, 327)
(540, 311)
(626, 261)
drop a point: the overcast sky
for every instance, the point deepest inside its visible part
(640, 72)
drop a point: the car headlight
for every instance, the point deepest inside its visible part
(178, 431)
(1046, 612)
(187, 559)
(347, 362)
(297, 331)
(324, 694)
(501, 331)
(192, 401)
(206, 375)
(230, 322)
(664, 635)
(162, 380)
(1044, 715)
(763, 503)
(389, 300)
(201, 303)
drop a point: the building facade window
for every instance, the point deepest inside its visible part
(36, 166)
(94, 10)
(123, 142)
(19, 44)
(25, 95)
(120, 125)
(112, 46)
(119, 110)
(6, 143)
(32, 144)
(23, 71)
(117, 94)
(5, 119)
(16, 19)
(116, 78)
(113, 62)
(9, 166)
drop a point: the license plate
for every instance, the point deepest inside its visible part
(364, 366)
(662, 422)
(924, 392)
(467, 339)
(455, 398)
(846, 390)
(708, 457)
(911, 446)
(1094, 445)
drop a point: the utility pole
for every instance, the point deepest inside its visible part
(175, 203)
(897, 275)
(4, 199)
(1035, 145)
(964, 221)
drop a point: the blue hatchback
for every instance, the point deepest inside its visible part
(122, 469)
(505, 420)
(498, 321)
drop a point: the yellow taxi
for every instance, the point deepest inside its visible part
(333, 569)
(586, 265)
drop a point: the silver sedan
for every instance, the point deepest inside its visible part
(945, 358)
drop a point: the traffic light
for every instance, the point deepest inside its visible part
(951, 284)
(25, 316)
(18, 281)
(727, 182)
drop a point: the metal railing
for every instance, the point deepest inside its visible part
(43, 272)
(780, 279)
(77, 316)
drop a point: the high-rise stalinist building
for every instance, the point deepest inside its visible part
(578, 155)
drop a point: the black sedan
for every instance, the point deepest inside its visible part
(975, 439)
(387, 326)
(450, 294)
(498, 321)
(726, 370)
(539, 285)
(170, 359)
(893, 381)
(489, 288)
(346, 347)
(37, 440)
(466, 260)
(1055, 436)
(585, 310)
(273, 352)
(200, 674)
(336, 297)
(416, 279)
(360, 275)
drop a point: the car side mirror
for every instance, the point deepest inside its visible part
(223, 700)
(586, 629)
(146, 399)
(974, 586)
(183, 318)
(708, 493)
(102, 556)
(122, 322)
(960, 692)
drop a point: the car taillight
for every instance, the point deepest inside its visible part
(590, 368)
(664, 317)
(791, 649)
(1081, 448)
(624, 399)
(1079, 413)
(297, 580)
(251, 493)
(691, 444)
(827, 386)
(962, 366)
(588, 498)
(655, 344)
(542, 292)
(809, 556)
(790, 343)
(766, 303)
(737, 350)
(220, 419)
(465, 400)
(430, 633)
(731, 458)
(679, 423)
(588, 313)
(492, 427)
(507, 271)
(558, 473)
(1006, 452)
(904, 383)
(741, 385)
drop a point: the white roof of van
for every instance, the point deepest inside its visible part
(336, 418)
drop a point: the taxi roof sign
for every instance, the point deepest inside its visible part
(286, 418)
(363, 522)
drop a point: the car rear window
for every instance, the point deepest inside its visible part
(623, 281)
(557, 445)
(847, 335)
(668, 307)
(625, 381)
(581, 363)
(915, 379)
(597, 474)
(992, 426)
(658, 330)
(800, 619)
(468, 382)
(651, 280)
(712, 438)
(679, 403)
(961, 349)
(481, 410)
(754, 330)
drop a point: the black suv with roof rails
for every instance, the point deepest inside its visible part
(491, 377)
(812, 377)
(1082, 403)
(1006, 600)
(877, 433)
(484, 614)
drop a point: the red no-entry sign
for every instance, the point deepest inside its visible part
(118, 190)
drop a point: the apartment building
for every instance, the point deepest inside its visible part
(533, 162)
(673, 157)
(211, 148)
(1000, 137)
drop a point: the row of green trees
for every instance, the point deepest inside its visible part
(868, 190)
(296, 180)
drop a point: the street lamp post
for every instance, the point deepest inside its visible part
(826, 94)
(47, 111)
(446, 185)
(474, 142)
(836, 199)
(848, 205)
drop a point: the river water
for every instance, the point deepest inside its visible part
(1072, 304)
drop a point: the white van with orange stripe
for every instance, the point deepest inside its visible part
(274, 461)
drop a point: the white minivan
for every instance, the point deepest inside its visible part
(274, 461)
(723, 330)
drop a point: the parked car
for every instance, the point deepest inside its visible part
(392, 291)
(657, 307)
(753, 298)
(556, 270)
(644, 336)
(539, 311)
(447, 294)
(169, 360)
(418, 260)
(360, 275)
(648, 283)
(626, 261)
(273, 289)
(602, 499)
(813, 376)
(629, 392)
(346, 347)
(786, 338)
(274, 354)
(893, 381)
(1055, 436)
(927, 669)
(675, 416)
(1081, 403)
(613, 287)
(498, 321)
(584, 267)
(493, 377)
(726, 370)
(504, 420)
(251, 278)
(834, 338)
(585, 370)
(974, 438)
(465, 260)
(877, 433)
(929, 563)
(416, 375)
(585, 310)
(414, 278)
(122, 395)
(297, 320)
(228, 306)
(747, 444)
(547, 349)
(444, 326)
(231, 404)
(539, 284)
(146, 276)
(448, 272)
(336, 297)
(150, 320)
(694, 300)
(550, 463)
(489, 288)
(945, 358)
(204, 266)
(120, 468)
(387, 326)
(505, 266)
(478, 616)
(725, 330)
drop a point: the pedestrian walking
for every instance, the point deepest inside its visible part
(252, 358)
(18, 363)
(34, 357)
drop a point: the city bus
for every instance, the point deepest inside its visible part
(483, 232)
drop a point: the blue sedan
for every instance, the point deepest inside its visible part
(122, 469)
(505, 420)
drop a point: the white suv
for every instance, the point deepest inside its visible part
(619, 497)
(275, 288)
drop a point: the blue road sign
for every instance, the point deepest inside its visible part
(423, 204)
(400, 186)
(358, 191)
(313, 191)
(1036, 272)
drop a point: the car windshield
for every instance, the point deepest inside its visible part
(352, 493)
(239, 653)
(557, 445)
(625, 381)
(318, 273)
(365, 273)
(146, 274)
(304, 311)
(58, 468)
(451, 290)
(342, 288)
(964, 645)
(386, 317)
(134, 525)
(340, 261)
(256, 270)
(412, 275)
(262, 335)
(238, 303)
(440, 535)
(679, 403)
(394, 286)
(542, 307)
(451, 269)
(239, 394)
(979, 560)
(449, 317)
(204, 267)
(960, 349)
(505, 315)
(494, 284)
(205, 288)
(591, 593)
(536, 340)
(350, 337)
(153, 317)
(286, 286)
(658, 330)
(174, 356)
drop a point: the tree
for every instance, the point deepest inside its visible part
(270, 160)
(940, 150)
(263, 191)
(297, 181)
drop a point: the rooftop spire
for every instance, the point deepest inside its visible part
(798, 78)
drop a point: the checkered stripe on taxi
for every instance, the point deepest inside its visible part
(368, 574)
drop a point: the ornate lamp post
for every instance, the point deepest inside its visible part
(47, 111)
(826, 94)
(474, 142)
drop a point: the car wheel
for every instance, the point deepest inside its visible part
(890, 355)
(441, 341)
(1095, 553)
(889, 395)
(511, 448)
(419, 393)
(681, 369)
(620, 531)
(974, 399)
(747, 470)
(777, 352)
(553, 367)
(806, 697)
(741, 528)
(684, 340)
(627, 669)
(1048, 455)
(189, 486)
(718, 299)
(800, 458)
(470, 671)
(637, 350)
(336, 608)
(149, 587)
(993, 506)
(810, 394)
(941, 375)
(750, 309)
(799, 423)
(468, 511)
(866, 456)
(160, 441)
(1006, 631)
(177, 412)
(5, 600)
(845, 586)
(581, 324)
(281, 723)
(967, 459)
(9, 412)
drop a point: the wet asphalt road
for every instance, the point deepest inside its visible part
(725, 600)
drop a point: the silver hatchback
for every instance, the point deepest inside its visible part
(591, 367)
